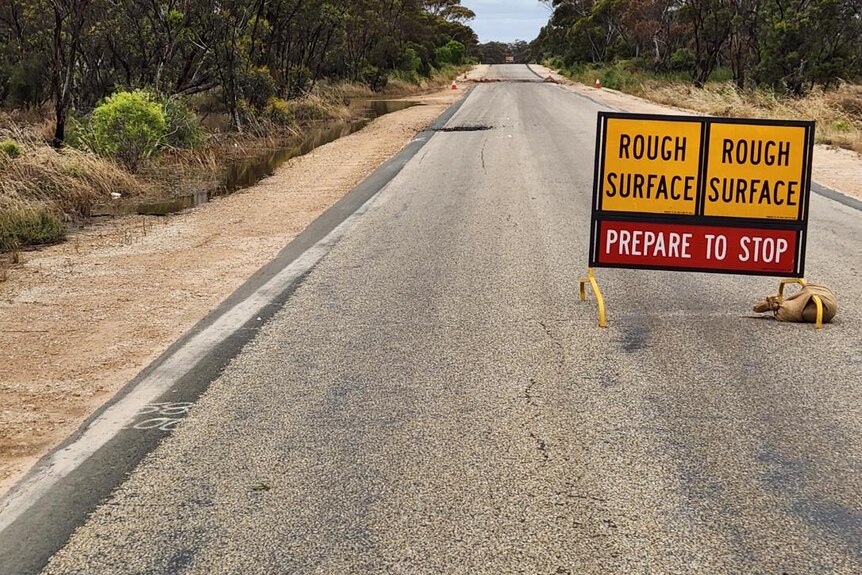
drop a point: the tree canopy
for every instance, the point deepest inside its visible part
(77, 52)
(787, 44)
(495, 52)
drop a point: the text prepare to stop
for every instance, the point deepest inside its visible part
(706, 247)
(675, 245)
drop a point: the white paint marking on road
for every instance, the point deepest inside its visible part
(123, 413)
(160, 423)
(167, 409)
(161, 416)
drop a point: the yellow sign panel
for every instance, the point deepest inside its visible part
(755, 171)
(651, 166)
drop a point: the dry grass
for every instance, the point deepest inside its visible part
(442, 79)
(28, 224)
(70, 181)
(321, 105)
(42, 188)
(838, 113)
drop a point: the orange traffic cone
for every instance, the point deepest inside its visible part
(598, 84)
(454, 84)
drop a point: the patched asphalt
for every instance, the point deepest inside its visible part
(433, 398)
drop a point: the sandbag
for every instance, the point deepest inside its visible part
(800, 307)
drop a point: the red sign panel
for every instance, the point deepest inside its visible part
(697, 248)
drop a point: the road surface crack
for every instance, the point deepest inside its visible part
(556, 342)
(528, 393)
(541, 446)
(484, 169)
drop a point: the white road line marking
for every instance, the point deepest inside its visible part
(124, 412)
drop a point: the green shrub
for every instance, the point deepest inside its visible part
(410, 61)
(721, 74)
(374, 77)
(279, 112)
(442, 55)
(129, 126)
(209, 102)
(184, 125)
(453, 53)
(246, 112)
(410, 77)
(28, 82)
(556, 63)
(298, 80)
(619, 76)
(842, 126)
(5, 74)
(29, 227)
(631, 76)
(11, 148)
(79, 134)
(458, 51)
(258, 87)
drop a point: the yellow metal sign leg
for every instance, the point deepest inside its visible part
(600, 300)
(785, 282)
(819, 303)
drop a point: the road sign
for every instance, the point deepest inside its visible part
(756, 172)
(721, 195)
(651, 167)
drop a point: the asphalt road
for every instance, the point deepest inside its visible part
(512, 73)
(434, 399)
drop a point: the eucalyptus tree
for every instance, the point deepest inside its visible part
(790, 45)
(244, 50)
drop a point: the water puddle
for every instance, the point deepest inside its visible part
(245, 173)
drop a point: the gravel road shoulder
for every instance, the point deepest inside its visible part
(834, 168)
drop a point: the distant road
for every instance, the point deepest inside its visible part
(433, 398)
(513, 73)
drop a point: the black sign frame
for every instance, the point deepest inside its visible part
(800, 225)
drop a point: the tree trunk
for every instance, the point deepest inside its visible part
(57, 81)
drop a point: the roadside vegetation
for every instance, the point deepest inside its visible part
(100, 100)
(743, 58)
(496, 52)
(40, 189)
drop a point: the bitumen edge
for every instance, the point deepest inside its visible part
(539, 76)
(31, 540)
(836, 196)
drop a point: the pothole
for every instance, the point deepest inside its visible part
(466, 129)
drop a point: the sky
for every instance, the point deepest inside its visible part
(507, 20)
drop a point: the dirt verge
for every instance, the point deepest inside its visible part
(80, 319)
(835, 168)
